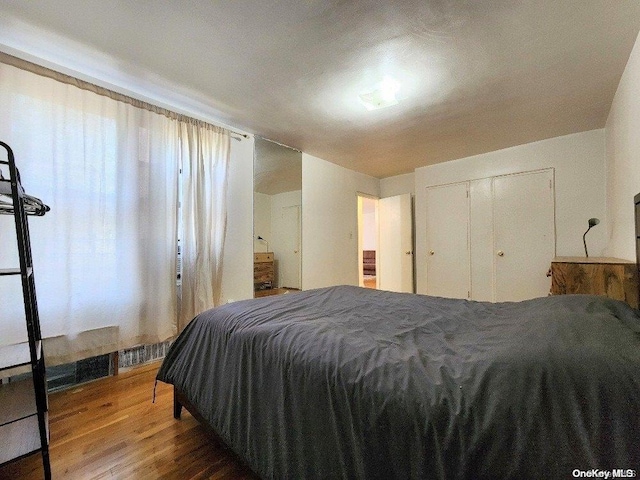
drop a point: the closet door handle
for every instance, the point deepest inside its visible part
(500, 253)
(431, 252)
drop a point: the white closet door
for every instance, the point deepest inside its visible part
(448, 260)
(395, 253)
(289, 262)
(524, 235)
(481, 239)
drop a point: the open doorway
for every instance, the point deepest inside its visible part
(385, 243)
(367, 241)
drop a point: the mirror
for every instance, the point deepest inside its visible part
(277, 218)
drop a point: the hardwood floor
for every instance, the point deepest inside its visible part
(370, 282)
(273, 291)
(110, 429)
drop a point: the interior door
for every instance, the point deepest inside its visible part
(524, 234)
(395, 257)
(448, 259)
(289, 264)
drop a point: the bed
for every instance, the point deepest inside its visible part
(346, 382)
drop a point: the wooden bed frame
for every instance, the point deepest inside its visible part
(180, 400)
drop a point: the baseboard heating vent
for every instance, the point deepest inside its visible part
(71, 374)
(142, 354)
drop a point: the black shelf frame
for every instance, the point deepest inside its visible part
(21, 424)
(636, 201)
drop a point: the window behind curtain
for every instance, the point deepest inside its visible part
(105, 255)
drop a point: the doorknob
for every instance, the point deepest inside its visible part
(408, 252)
(431, 252)
(500, 253)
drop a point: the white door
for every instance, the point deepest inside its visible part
(289, 261)
(524, 235)
(448, 265)
(395, 247)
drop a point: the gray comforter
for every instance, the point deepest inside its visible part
(345, 382)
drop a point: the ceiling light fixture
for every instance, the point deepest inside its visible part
(384, 95)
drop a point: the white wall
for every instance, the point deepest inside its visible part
(578, 161)
(369, 231)
(330, 222)
(237, 267)
(369, 224)
(262, 222)
(622, 133)
(280, 201)
(392, 186)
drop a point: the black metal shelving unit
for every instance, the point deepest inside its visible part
(636, 201)
(24, 427)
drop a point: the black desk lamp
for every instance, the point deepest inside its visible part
(592, 223)
(260, 238)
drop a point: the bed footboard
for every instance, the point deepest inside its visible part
(180, 400)
(177, 403)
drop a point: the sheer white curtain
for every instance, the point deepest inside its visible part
(105, 255)
(204, 153)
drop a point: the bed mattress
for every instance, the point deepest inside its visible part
(346, 382)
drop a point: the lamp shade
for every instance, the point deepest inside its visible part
(592, 223)
(265, 241)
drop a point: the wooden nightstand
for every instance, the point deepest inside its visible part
(263, 270)
(612, 277)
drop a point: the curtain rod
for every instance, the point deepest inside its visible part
(84, 85)
(277, 143)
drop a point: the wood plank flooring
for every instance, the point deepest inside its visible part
(273, 291)
(111, 429)
(370, 282)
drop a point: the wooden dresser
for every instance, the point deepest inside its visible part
(263, 270)
(612, 277)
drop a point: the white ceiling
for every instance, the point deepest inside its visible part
(476, 75)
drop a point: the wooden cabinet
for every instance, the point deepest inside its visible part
(263, 270)
(612, 277)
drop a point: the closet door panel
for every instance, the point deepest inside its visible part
(524, 235)
(447, 222)
(481, 239)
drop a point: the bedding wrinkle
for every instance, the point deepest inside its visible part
(345, 382)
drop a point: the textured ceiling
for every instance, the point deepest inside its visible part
(476, 75)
